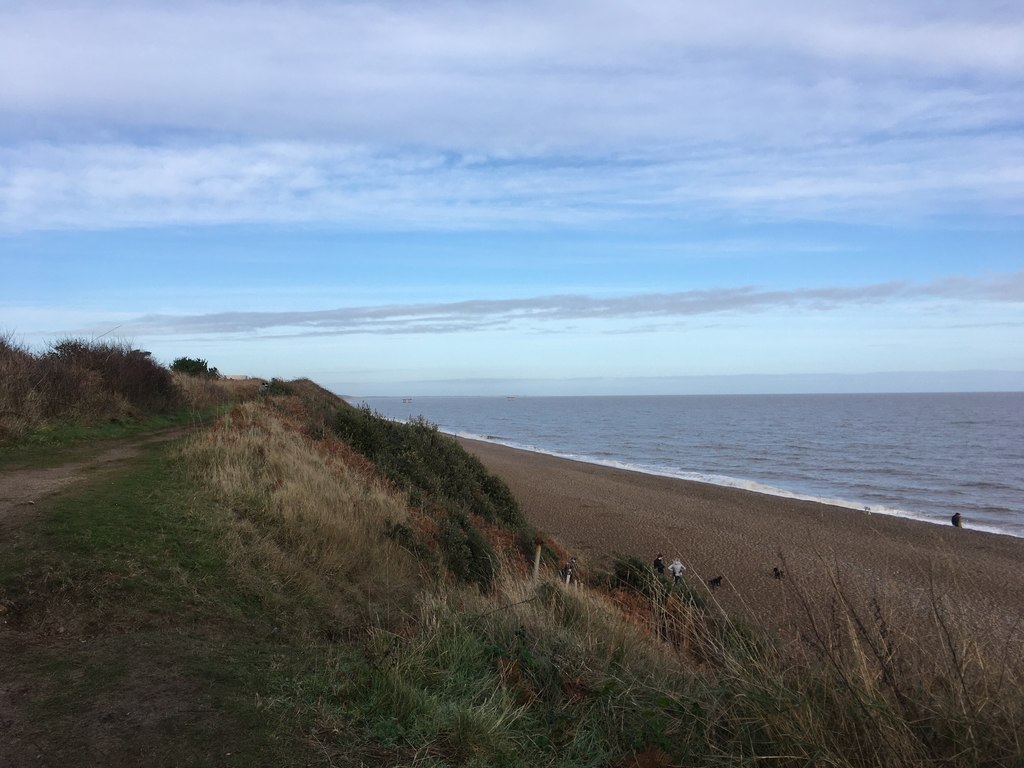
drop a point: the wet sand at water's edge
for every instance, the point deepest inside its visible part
(742, 535)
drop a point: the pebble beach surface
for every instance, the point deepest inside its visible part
(742, 536)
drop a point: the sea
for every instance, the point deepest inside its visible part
(919, 456)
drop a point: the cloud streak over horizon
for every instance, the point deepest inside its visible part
(468, 316)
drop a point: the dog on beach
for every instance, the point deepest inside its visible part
(715, 583)
(777, 572)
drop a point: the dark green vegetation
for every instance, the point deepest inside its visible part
(442, 480)
(194, 366)
(429, 466)
(150, 620)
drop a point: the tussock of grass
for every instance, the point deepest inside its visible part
(296, 515)
(533, 673)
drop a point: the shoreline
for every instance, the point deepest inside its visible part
(745, 486)
(741, 535)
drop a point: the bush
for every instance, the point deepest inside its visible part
(194, 366)
(429, 465)
(78, 381)
(278, 387)
(467, 553)
(442, 479)
(127, 372)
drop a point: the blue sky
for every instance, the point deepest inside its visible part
(528, 197)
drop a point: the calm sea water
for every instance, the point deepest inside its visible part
(923, 456)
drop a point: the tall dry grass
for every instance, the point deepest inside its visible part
(543, 673)
(300, 524)
(201, 394)
(941, 685)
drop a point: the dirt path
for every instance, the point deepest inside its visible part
(107, 724)
(20, 489)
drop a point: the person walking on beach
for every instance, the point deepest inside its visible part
(676, 568)
(958, 522)
(659, 565)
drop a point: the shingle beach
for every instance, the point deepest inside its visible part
(742, 536)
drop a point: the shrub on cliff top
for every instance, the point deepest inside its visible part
(194, 366)
(125, 371)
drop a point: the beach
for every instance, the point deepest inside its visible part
(595, 511)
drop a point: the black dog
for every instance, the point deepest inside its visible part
(715, 583)
(777, 572)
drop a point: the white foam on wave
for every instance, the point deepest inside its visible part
(733, 482)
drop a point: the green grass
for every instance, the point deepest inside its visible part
(65, 442)
(123, 618)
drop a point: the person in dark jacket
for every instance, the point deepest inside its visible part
(659, 564)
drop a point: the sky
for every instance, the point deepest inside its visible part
(518, 197)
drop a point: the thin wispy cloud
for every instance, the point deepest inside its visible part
(467, 316)
(110, 186)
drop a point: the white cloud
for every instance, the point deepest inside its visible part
(492, 75)
(489, 114)
(459, 317)
(90, 186)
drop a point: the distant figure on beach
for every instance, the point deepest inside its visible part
(958, 522)
(659, 564)
(569, 571)
(777, 572)
(676, 568)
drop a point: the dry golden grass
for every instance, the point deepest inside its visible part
(201, 394)
(298, 520)
(859, 689)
